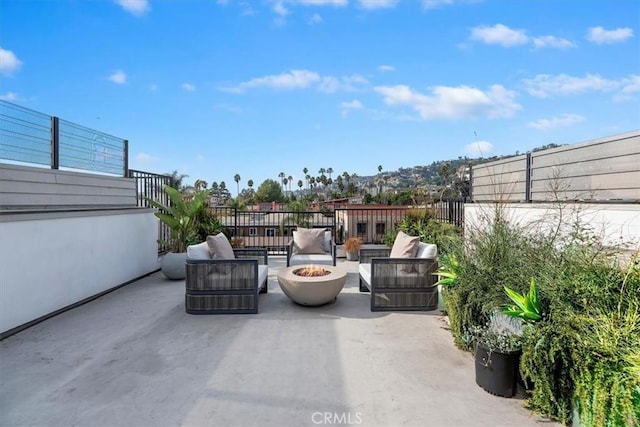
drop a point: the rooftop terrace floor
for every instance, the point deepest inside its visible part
(135, 358)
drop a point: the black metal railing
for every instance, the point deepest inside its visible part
(150, 186)
(31, 137)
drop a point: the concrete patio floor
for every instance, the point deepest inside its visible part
(135, 358)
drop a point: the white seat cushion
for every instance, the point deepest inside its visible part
(365, 273)
(301, 259)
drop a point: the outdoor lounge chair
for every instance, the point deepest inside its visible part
(226, 286)
(400, 284)
(311, 246)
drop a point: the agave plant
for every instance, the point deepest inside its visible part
(526, 307)
(179, 216)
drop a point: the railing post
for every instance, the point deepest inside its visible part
(125, 157)
(471, 183)
(55, 143)
(527, 190)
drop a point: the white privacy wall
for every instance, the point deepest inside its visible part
(51, 260)
(615, 223)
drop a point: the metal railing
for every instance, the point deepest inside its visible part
(150, 185)
(31, 137)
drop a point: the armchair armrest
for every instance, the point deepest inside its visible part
(366, 254)
(259, 254)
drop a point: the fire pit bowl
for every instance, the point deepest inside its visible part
(312, 284)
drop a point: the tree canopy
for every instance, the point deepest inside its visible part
(269, 191)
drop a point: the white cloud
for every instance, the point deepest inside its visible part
(280, 9)
(294, 79)
(447, 102)
(545, 85)
(330, 84)
(301, 79)
(551, 41)
(188, 87)
(479, 149)
(321, 2)
(9, 62)
(507, 37)
(316, 19)
(145, 158)
(377, 4)
(346, 107)
(499, 34)
(557, 122)
(599, 35)
(118, 77)
(135, 7)
(386, 68)
(432, 4)
(630, 88)
(9, 96)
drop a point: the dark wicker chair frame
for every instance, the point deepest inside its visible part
(225, 286)
(331, 254)
(399, 284)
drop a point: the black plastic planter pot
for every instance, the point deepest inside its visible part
(496, 372)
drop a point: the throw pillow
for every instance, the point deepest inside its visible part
(219, 247)
(426, 250)
(404, 246)
(309, 240)
(199, 251)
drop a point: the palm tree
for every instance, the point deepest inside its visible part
(300, 184)
(236, 178)
(285, 181)
(250, 183)
(329, 171)
(281, 175)
(200, 185)
(379, 168)
(290, 179)
(176, 179)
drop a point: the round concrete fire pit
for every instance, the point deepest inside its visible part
(321, 288)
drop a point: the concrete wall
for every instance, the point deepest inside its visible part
(51, 260)
(615, 223)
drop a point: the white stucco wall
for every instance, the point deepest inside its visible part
(51, 260)
(615, 223)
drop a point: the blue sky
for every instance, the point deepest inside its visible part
(214, 88)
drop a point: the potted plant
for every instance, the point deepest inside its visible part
(352, 247)
(497, 350)
(498, 345)
(180, 218)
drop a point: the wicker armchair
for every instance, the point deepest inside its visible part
(326, 257)
(226, 286)
(398, 284)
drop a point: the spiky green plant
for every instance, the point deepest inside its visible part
(526, 307)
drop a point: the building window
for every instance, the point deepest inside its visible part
(253, 231)
(361, 229)
(270, 232)
(381, 227)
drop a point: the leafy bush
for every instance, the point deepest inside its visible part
(420, 222)
(585, 351)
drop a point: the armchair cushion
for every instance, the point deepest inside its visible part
(199, 251)
(426, 250)
(404, 246)
(308, 241)
(219, 247)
